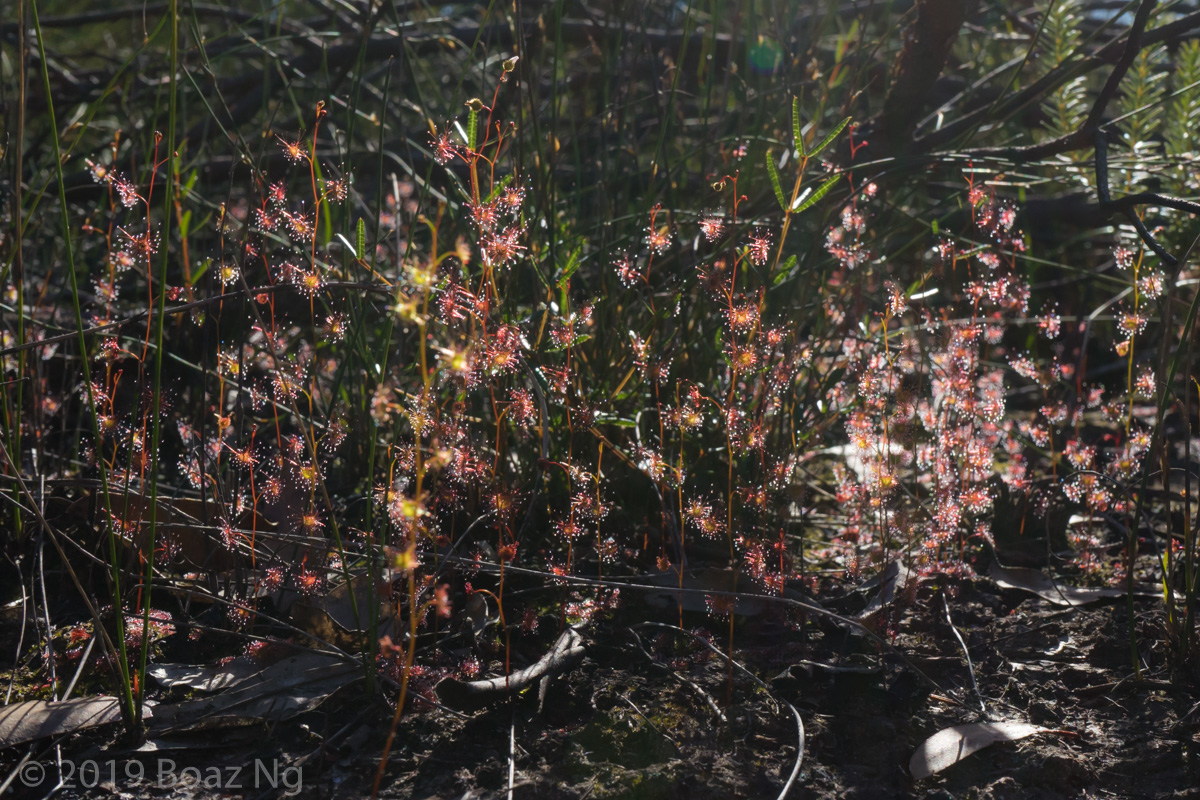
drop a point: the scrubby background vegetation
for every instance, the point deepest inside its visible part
(391, 329)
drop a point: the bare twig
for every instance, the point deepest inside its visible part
(1114, 52)
(966, 653)
(787, 787)
(49, 649)
(474, 695)
(1092, 131)
(793, 602)
(83, 594)
(512, 751)
(12, 676)
(705, 696)
(927, 43)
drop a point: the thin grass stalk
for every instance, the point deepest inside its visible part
(128, 711)
(156, 385)
(1189, 533)
(14, 427)
(82, 126)
(375, 546)
(1167, 304)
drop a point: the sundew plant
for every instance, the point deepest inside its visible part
(402, 349)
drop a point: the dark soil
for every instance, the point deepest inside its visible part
(620, 725)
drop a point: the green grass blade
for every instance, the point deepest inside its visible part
(172, 173)
(472, 129)
(821, 191)
(774, 173)
(829, 139)
(126, 689)
(796, 133)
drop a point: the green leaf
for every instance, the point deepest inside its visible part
(558, 348)
(360, 239)
(472, 129)
(796, 126)
(538, 270)
(500, 186)
(573, 263)
(326, 217)
(828, 139)
(844, 41)
(619, 422)
(199, 271)
(783, 273)
(775, 183)
(821, 191)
